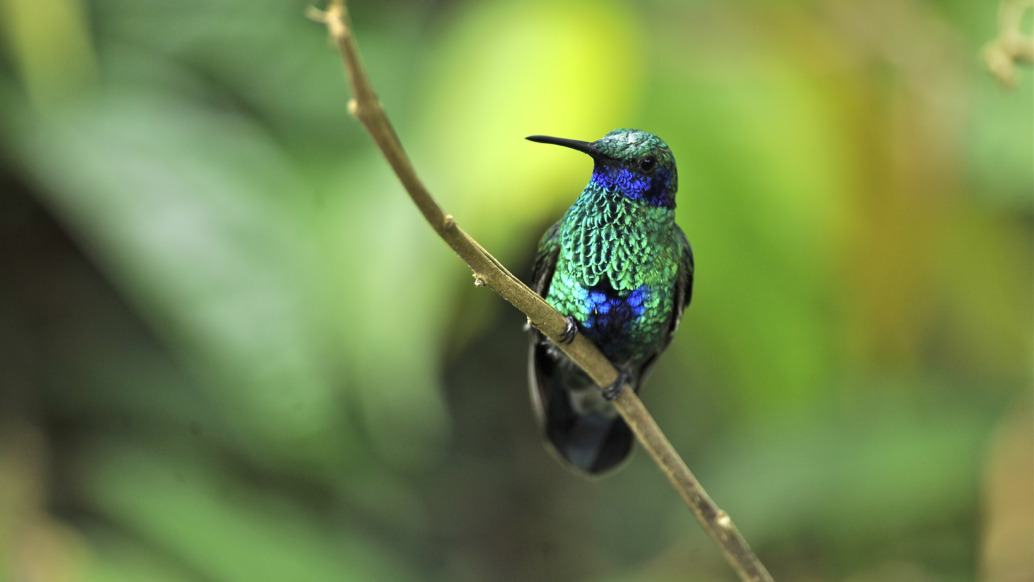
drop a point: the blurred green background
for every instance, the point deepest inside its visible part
(231, 351)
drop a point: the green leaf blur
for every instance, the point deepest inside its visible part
(230, 349)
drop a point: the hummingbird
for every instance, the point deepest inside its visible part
(621, 271)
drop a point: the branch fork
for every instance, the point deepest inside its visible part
(1011, 46)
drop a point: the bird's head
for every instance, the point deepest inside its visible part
(630, 162)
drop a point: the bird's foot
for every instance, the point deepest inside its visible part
(569, 332)
(614, 390)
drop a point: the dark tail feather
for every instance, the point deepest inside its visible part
(592, 442)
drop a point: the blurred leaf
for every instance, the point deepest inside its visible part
(850, 479)
(50, 44)
(224, 529)
(1001, 144)
(263, 55)
(389, 278)
(201, 222)
(116, 559)
(988, 283)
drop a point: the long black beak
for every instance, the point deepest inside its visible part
(582, 146)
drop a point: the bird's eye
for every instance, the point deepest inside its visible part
(648, 163)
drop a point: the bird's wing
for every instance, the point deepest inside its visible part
(683, 280)
(541, 367)
(545, 260)
(683, 295)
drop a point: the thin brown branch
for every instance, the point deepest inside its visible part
(1011, 46)
(491, 273)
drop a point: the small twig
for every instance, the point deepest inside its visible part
(491, 273)
(1011, 46)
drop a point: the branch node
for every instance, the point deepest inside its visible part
(479, 281)
(724, 521)
(334, 18)
(448, 222)
(353, 107)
